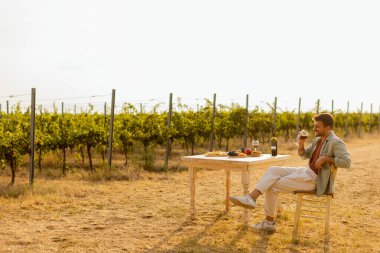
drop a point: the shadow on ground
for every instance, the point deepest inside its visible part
(192, 242)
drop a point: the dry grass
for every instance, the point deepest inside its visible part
(151, 214)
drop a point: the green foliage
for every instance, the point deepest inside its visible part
(14, 139)
(133, 129)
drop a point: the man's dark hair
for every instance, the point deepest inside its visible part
(326, 118)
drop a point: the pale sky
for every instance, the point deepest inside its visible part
(147, 49)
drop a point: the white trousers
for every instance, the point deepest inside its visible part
(285, 180)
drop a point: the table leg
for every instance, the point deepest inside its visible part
(228, 187)
(192, 177)
(245, 182)
(280, 209)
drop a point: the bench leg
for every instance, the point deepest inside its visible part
(327, 219)
(297, 217)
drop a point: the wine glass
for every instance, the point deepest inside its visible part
(255, 144)
(303, 135)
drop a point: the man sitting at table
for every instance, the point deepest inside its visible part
(325, 151)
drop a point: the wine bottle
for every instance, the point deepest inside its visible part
(273, 144)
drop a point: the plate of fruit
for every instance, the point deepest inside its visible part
(241, 153)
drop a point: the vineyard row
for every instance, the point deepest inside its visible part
(89, 132)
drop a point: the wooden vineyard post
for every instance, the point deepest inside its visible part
(63, 149)
(211, 145)
(360, 120)
(168, 144)
(32, 136)
(317, 109)
(105, 112)
(346, 126)
(298, 117)
(104, 151)
(370, 120)
(246, 123)
(275, 114)
(110, 140)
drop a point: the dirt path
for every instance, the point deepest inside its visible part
(151, 215)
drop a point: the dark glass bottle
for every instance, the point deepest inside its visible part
(273, 144)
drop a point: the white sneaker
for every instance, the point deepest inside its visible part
(244, 201)
(265, 226)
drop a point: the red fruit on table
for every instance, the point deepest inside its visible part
(247, 151)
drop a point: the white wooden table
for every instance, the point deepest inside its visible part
(228, 164)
